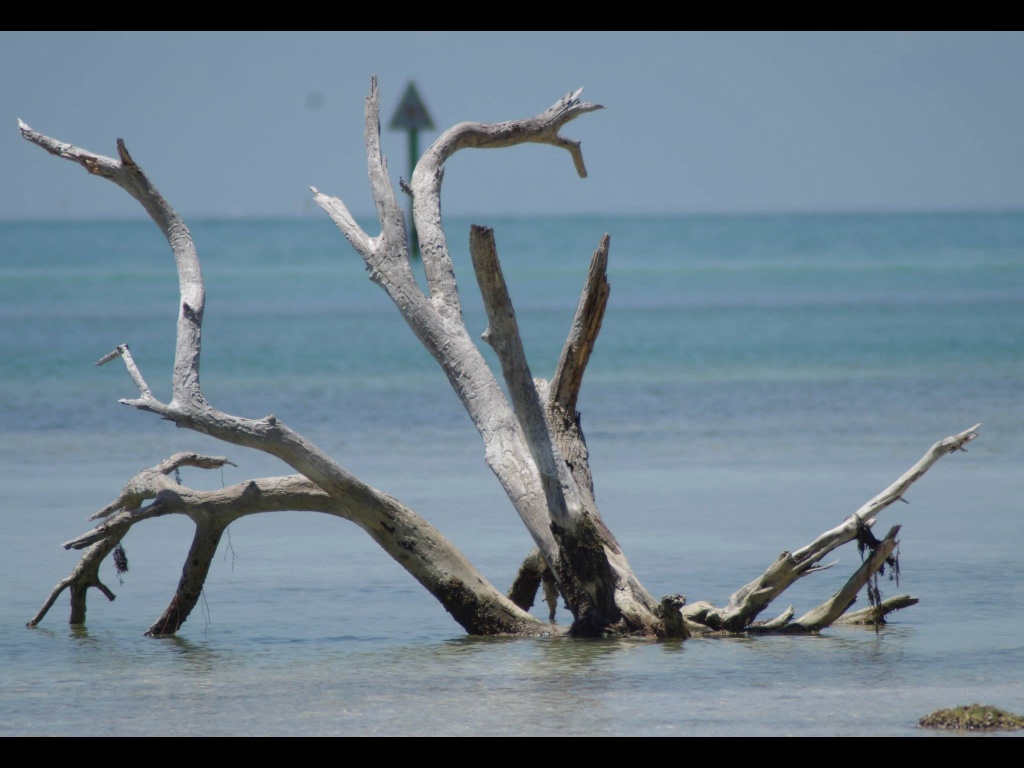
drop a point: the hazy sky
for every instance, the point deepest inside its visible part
(243, 123)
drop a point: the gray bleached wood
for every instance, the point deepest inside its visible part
(410, 540)
(532, 440)
(747, 602)
(595, 580)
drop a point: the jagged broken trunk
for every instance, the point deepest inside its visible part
(532, 437)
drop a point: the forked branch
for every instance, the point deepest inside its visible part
(409, 539)
(746, 603)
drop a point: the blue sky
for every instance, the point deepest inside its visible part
(241, 124)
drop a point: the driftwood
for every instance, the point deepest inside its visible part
(532, 439)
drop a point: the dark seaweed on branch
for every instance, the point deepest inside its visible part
(120, 562)
(867, 541)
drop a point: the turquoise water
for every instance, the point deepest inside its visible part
(756, 380)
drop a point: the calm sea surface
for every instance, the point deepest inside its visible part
(756, 380)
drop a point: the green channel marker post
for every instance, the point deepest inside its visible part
(412, 116)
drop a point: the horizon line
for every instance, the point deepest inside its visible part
(313, 215)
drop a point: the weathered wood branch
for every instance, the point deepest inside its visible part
(129, 176)
(847, 531)
(473, 602)
(502, 334)
(594, 580)
(200, 556)
(777, 623)
(206, 508)
(592, 573)
(387, 255)
(437, 322)
(875, 614)
(135, 490)
(747, 602)
(123, 512)
(830, 611)
(84, 575)
(425, 184)
(435, 563)
(563, 391)
(225, 505)
(586, 324)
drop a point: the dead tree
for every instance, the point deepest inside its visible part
(532, 439)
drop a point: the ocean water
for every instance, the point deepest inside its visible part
(756, 380)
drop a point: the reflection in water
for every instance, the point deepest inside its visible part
(196, 658)
(849, 680)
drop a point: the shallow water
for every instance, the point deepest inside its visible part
(757, 379)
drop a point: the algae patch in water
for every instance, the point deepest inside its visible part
(973, 717)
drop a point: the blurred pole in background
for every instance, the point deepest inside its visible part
(412, 116)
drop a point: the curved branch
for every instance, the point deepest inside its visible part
(425, 184)
(150, 481)
(437, 565)
(419, 548)
(532, 575)
(540, 129)
(193, 576)
(130, 177)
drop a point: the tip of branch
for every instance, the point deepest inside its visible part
(122, 152)
(23, 126)
(957, 442)
(109, 356)
(314, 190)
(573, 98)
